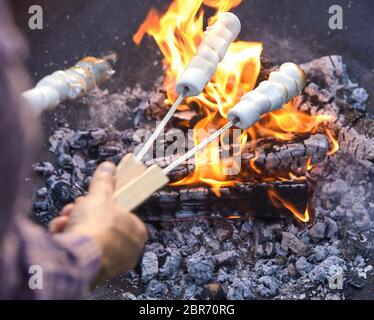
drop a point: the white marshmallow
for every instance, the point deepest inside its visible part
(286, 81)
(194, 80)
(218, 44)
(68, 84)
(247, 112)
(259, 99)
(231, 22)
(295, 72)
(268, 96)
(213, 48)
(275, 92)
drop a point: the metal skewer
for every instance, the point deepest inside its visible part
(140, 155)
(199, 147)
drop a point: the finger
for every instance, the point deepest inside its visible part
(102, 183)
(66, 211)
(79, 199)
(139, 231)
(58, 224)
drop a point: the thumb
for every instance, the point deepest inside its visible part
(102, 183)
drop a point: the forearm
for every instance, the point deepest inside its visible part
(66, 264)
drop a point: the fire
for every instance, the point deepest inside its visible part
(178, 33)
(279, 201)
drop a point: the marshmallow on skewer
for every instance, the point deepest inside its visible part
(210, 53)
(269, 96)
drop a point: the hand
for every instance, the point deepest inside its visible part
(119, 234)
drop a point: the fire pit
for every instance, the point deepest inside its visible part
(295, 223)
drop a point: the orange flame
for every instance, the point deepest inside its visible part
(335, 144)
(178, 33)
(278, 201)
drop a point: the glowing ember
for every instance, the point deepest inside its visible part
(178, 33)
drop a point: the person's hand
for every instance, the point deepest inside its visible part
(120, 235)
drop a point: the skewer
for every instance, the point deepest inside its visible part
(270, 95)
(199, 147)
(200, 70)
(139, 156)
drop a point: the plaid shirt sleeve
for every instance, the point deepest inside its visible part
(37, 265)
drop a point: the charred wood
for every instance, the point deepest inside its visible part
(242, 200)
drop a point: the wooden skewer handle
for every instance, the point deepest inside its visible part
(128, 169)
(138, 187)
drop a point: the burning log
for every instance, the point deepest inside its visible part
(267, 157)
(239, 201)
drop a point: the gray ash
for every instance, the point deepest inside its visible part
(213, 258)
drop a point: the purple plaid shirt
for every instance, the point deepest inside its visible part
(33, 263)
(67, 263)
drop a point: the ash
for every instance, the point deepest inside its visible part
(213, 258)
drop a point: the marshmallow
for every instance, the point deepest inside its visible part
(213, 48)
(270, 95)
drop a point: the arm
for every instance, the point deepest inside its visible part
(91, 241)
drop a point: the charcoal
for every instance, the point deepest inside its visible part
(335, 189)
(359, 261)
(226, 258)
(155, 288)
(266, 268)
(333, 296)
(291, 242)
(240, 290)
(326, 269)
(78, 176)
(191, 292)
(354, 280)
(128, 296)
(62, 193)
(303, 266)
(223, 231)
(359, 98)
(265, 250)
(171, 265)
(44, 168)
(319, 253)
(109, 151)
(176, 291)
(127, 136)
(268, 231)
(41, 205)
(79, 162)
(65, 161)
(318, 231)
(268, 286)
(42, 193)
(213, 244)
(97, 137)
(149, 266)
(79, 140)
(332, 229)
(90, 167)
(247, 228)
(157, 248)
(291, 270)
(222, 276)
(201, 267)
